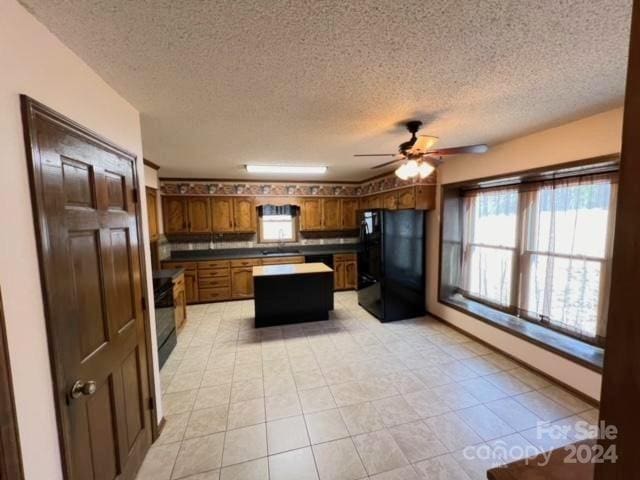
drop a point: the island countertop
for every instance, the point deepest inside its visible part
(290, 269)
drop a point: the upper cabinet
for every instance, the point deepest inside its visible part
(199, 215)
(244, 215)
(325, 214)
(174, 213)
(222, 214)
(233, 215)
(418, 197)
(152, 213)
(349, 208)
(331, 214)
(186, 214)
(311, 214)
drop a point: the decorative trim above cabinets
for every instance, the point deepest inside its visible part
(290, 189)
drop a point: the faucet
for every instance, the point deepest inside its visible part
(280, 240)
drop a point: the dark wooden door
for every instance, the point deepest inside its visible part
(88, 227)
(199, 215)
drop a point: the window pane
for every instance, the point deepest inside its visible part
(572, 290)
(277, 227)
(493, 218)
(571, 220)
(489, 274)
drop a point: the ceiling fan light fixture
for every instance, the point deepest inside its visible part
(412, 168)
(425, 169)
(401, 172)
(297, 169)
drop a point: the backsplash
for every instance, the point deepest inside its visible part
(253, 243)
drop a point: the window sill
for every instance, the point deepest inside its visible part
(584, 354)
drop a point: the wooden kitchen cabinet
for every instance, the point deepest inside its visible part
(349, 207)
(311, 214)
(390, 201)
(199, 215)
(222, 214)
(331, 218)
(175, 214)
(244, 215)
(180, 300)
(351, 275)
(190, 278)
(407, 199)
(152, 213)
(345, 271)
(242, 282)
(233, 215)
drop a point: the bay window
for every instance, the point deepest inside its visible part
(539, 250)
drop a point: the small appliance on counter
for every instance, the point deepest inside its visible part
(165, 318)
(391, 263)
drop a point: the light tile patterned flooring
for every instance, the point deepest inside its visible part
(345, 399)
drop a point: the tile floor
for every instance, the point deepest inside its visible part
(346, 399)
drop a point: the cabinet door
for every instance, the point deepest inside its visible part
(407, 198)
(375, 201)
(191, 286)
(338, 275)
(242, 282)
(311, 214)
(349, 217)
(350, 275)
(199, 215)
(390, 201)
(180, 303)
(331, 214)
(152, 212)
(222, 214)
(175, 215)
(244, 215)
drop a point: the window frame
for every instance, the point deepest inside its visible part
(446, 293)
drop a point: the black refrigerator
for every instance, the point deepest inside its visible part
(391, 263)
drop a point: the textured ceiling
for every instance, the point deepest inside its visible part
(221, 84)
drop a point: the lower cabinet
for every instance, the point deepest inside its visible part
(345, 271)
(242, 282)
(219, 280)
(180, 301)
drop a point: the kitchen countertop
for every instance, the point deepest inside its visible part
(171, 273)
(292, 269)
(215, 254)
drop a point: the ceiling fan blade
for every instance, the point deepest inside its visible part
(480, 148)
(375, 155)
(423, 144)
(399, 158)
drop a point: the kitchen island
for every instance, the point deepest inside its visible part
(292, 293)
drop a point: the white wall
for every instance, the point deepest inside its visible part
(34, 62)
(589, 137)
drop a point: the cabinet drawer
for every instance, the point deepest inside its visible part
(344, 257)
(213, 294)
(213, 272)
(282, 260)
(247, 262)
(190, 266)
(214, 264)
(213, 282)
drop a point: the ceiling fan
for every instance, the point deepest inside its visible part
(419, 155)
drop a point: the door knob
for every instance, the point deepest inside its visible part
(81, 388)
